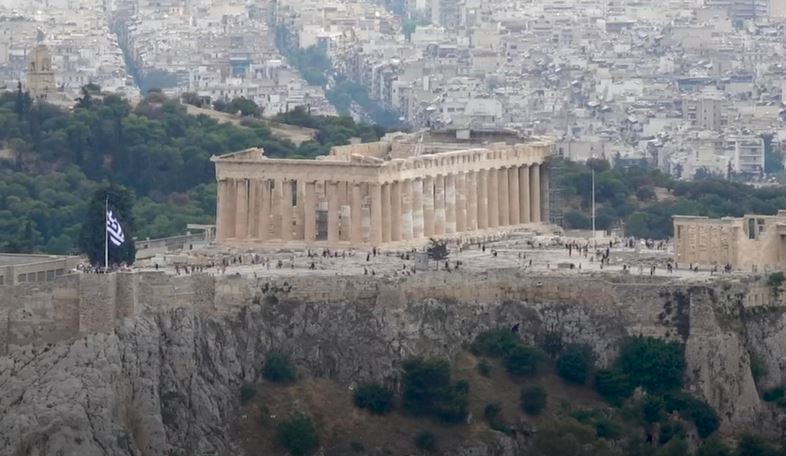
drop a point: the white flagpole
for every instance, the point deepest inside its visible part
(106, 236)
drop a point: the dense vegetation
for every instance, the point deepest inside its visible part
(59, 158)
(644, 200)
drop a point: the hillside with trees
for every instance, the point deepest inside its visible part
(55, 159)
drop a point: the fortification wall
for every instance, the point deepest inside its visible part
(76, 305)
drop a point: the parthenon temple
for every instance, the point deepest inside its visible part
(406, 188)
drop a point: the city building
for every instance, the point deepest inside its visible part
(40, 76)
(405, 188)
(743, 242)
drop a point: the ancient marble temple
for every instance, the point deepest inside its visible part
(403, 189)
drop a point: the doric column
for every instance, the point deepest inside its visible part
(450, 204)
(225, 223)
(534, 193)
(524, 194)
(286, 210)
(276, 200)
(253, 208)
(263, 233)
(310, 212)
(472, 201)
(355, 215)
(428, 206)
(377, 220)
(439, 206)
(513, 195)
(386, 208)
(461, 203)
(395, 211)
(241, 215)
(406, 210)
(492, 195)
(417, 209)
(504, 200)
(545, 215)
(483, 212)
(343, 220)
(334, 210)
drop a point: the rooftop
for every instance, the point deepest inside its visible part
(14, 259)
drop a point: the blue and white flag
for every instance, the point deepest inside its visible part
(114, 230)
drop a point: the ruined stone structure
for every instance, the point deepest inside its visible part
(40, 76)
(397, 190)
(752, 240)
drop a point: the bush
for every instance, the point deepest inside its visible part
(425, 440)
(298, 435)
(607, 429)
(484, 367)
(495, 343)
(357, 447)
(753, 445)
(278, 368)
(653, 363)
(427, 390)
(675, 447)
(651, 409)
(713, 447)
(567, 437)
(774, 394)
(375, 398)
(698, 411)
(552, 343)
(493, 414)
(524, 360)
(533, 400)
(247, 392)
(758, 368)
(575, 364)
(614, 385)
(669, 431)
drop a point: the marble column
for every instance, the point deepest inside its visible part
(334, 212)
(286, 210)
(395, 211)
(534, 193)
(241, 214)
(310, 212)
(264, 210)
(300, 210)
(461, 202)
(504, 200)
(253, 209)
(472, 201)
(513, 195)
(492, 196)
(377, 220)
(482, 189)
(417, 209)
(225, 225)
(439, 206)
(343, 218)
(406, 209)
(524, 194)
(545, 209)
(355, 214)
(276, 200)
(428, 206)
(386, 208)
(450, 204)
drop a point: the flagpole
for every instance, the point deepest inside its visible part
(106, 236)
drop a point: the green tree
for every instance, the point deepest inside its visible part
(92, 237)
(375, 398)
(576, 363)
(713, 446)
(524, 360)
(428, 390)
(533, 399)
(495, 343)
(437, 250)
(653, 363)
(754, 445)
(298, 435)
(278, 368)
(614, 385)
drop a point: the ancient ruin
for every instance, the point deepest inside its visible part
(405, 188)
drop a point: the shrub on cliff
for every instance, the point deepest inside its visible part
(375, 398)
(703, 416)
(754, 445)
(278, 368)
(533, 399)
(524, 360)
(298, 435)
(247, 392)
(425, 440)
(713, 446)
(495, 343)
(614, 385)
(655, 364)
(428, 391)
(575, 363)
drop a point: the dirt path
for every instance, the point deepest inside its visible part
(293, 133)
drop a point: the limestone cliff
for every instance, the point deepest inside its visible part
(165, 380)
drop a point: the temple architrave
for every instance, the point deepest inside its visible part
(405, 188)
(742, 242)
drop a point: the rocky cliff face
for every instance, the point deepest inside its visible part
(166, 382)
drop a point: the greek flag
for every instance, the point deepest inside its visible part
(114, 230)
